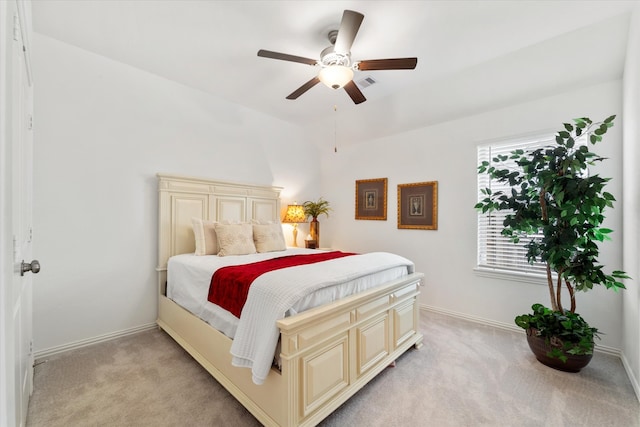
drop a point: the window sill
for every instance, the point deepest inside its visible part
(512, 276)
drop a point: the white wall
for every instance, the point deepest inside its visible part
(631, 210)
(103, 130)
(447, 153)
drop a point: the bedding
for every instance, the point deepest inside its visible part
(189, 277)
(290, 290)
(230, 285)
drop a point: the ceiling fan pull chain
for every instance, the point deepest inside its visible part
(335, 132)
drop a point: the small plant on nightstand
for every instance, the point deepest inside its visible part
(314, 210)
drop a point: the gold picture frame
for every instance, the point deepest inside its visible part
(371, 199)
(418, 205)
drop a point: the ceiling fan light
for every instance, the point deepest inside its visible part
(335, 76)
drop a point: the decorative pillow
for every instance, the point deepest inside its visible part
(235, 239)
(268, 237)
(205, 234)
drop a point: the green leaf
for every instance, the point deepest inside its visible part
(580, 123)
(556, 352)
(601, 130)
(620, 275)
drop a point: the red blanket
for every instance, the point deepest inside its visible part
(230, 285)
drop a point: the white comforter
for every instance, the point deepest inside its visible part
(273, 293)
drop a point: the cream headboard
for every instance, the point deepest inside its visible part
(181, 198)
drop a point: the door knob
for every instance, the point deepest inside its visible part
(33, 267)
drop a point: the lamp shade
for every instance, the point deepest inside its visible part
(295, 214)
(335, 76)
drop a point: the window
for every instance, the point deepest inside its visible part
(495, 251)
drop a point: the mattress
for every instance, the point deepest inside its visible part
(189, 277)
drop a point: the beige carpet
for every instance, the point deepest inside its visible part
(465, 375)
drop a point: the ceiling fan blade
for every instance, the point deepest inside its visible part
(286, 57)
(305, 87)
(347, 32)
(388, 64)
(354, 92)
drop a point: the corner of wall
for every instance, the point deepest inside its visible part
(631, 202)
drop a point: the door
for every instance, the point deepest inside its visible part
(16, 205)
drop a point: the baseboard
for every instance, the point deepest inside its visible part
(475, 319)
(634, 381)
(90, 341)
(506, 326)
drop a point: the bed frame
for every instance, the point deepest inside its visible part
(327, 353)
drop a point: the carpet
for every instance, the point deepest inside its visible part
(466, 374)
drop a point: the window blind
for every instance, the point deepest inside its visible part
(495, 251)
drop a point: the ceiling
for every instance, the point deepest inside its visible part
(473, 56)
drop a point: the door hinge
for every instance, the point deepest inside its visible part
(16, 27)
(15, 249)
(30, 122)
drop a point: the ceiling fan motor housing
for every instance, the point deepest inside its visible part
(329, 57)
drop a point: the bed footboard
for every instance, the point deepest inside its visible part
(327, 353)
(331, 352)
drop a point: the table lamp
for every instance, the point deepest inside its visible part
(295, 214)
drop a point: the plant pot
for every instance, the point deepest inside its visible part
(540, 347)
(314, 230)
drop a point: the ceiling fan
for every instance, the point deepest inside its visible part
(335, 61)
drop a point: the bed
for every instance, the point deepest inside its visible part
(326, 353)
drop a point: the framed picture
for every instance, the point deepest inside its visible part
(418, 205)
(371, 199)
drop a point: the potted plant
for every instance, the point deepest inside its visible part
(314, 210)
(554, 196)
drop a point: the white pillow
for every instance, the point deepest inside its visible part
(268, 237)
(205, 234)
(235, 239)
